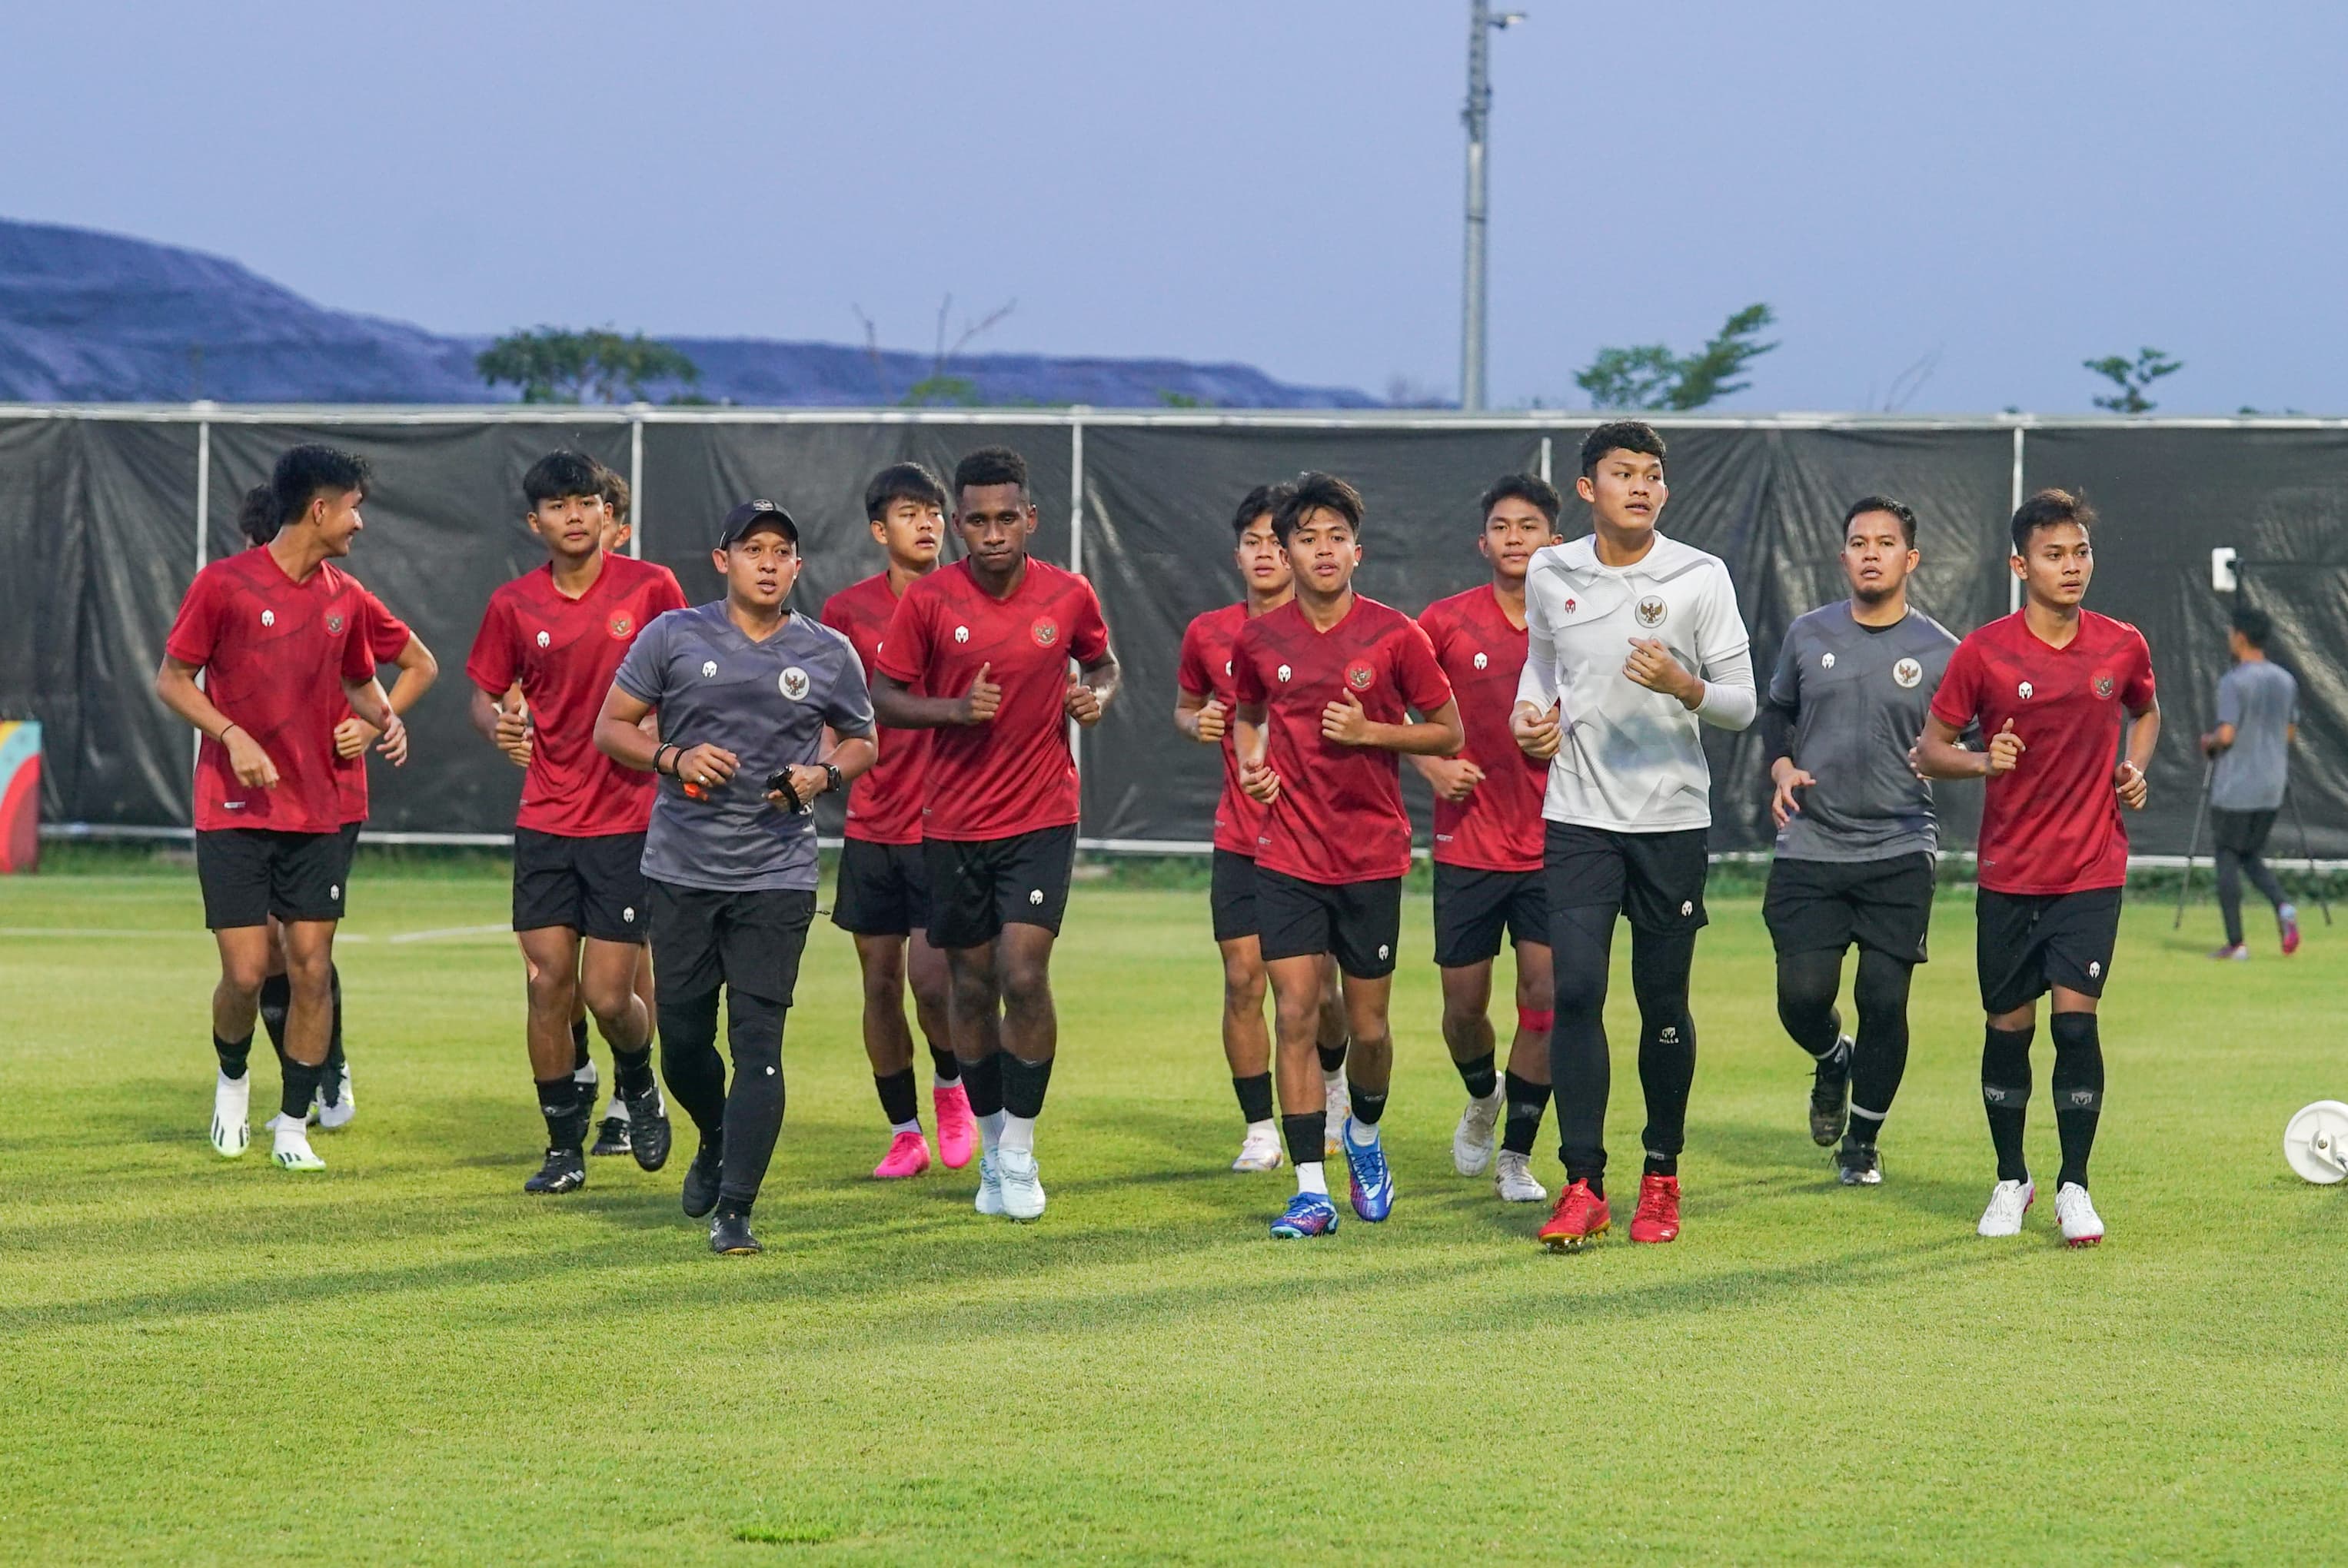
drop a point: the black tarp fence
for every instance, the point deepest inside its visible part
(107, 513)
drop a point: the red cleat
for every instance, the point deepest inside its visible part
(1580, 1218)
(909, 1155)
(1657, 1217)
(2289, 925)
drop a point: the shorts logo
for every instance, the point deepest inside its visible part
(1825, 661)
(1481, 661)
(268, 617)
(2103, 685)
(2022, 691)
(1906, 673)
(1668, 1035)
(621, 624)
(1687, 909)
(335, 627)
(2095, 969)
(1034, 896)
(709, 668)
(1284, 673)
(1384, 952)
(334, 890)
(629, 914)
(962, 634)
(793, 683)
(1045, 632)
(1359, 676)
(1651, 610)
(543, 640)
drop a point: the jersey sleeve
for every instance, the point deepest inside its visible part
(2136, 694)
(833, 615)
(1088, 639)
(2230, 699)
(386, 635)
(1247, 681)
(905, 648)
(1786, 677)
(666, 593)
(491, 666)
(195, 630)
(1537, 682)
(358, 659)
(1418, 674)
(1190, 671)
(641, 674)
(1721, 636)
(1956, 703)
(847, 706)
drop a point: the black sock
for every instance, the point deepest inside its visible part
(234, 1056)
(633, 1069)
(301, 1087)
(1526, 1102)
(1332, 1057)
(1255, 1097)
(1864, 1129)
(276, 996)
(943, 1068)
(559, 1102)
(1369, 1107)
(1480, 1075)
(580, 1060)
(982, 1081)
(1662, 1164)
(1023, 1083)
(330, 1076)
(897, 1097)
(1307, 1137)
(2078, 1089)
(2005, 1096)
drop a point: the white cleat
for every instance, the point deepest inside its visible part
(232, 1103)
(990, 1185)
(2081, 1225)
(1023, 1185)
(292, 1149)
(1259, 1150)
(2008, 1202)
(1471, 1141)
(338, 1115)
(1339, 1104)
(1512, 1179)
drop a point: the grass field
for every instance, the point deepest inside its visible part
(405, 1359)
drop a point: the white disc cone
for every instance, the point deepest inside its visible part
(2316, 1142)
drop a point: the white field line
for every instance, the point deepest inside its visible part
(110, 932)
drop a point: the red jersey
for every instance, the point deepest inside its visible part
(2053, 825)
(1208, 644)
(386, 638)
(564, 651)
(1339, 816)
(1498, 826)
(274, 654)
(884, 806)
(1016, 773)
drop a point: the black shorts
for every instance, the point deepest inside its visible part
(2244, 833)
(2027, 943)
(883, 889)
(748, 941)
(350, 837)
(594, 885)
(1359, 924)
(1473, 908)
(977, 886)
(1230, 896)
(249, 874)
(1655, 878)
(1825, 906)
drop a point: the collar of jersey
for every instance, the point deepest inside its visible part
(1666, 559)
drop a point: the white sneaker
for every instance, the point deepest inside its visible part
(1512, 1178)
(1022, 1183)
(338, 1115)
(1340, 1105)
(1471, 1141)
(990, 1185)
(2081, 1225)
(231, 1102)
(1259, 1150)
(292, 1149)
(2008, 1201)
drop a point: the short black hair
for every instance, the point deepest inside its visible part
(1620, 434)
(1866, 503)
(560, 474)
(305, 472)
(2049, 509)
(1314, 491)
(617, 496)
(905, 482)
(990, 466)
(1256, 503)
(257, 516)
(1528, 487)
(2254, 625)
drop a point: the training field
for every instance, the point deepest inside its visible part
(406, 1360)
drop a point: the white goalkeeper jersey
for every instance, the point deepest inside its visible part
(1631, 760)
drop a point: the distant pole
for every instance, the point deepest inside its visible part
(1478, 115)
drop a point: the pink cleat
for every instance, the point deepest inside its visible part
(2287, 921)
(957, 1128)
(909, 1155)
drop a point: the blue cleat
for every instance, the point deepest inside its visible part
(1374, 1190)
(1308, 1213)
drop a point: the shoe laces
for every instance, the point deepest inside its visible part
(1575, 1203)
(1658, 1198)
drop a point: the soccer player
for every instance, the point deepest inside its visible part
(274, 631)
(2052, 686)
(1634, 645)
(979, 652)
(1487, 844)
(1855, 832)
(882, 898)
(745, 689)
(1202, 712)
(1324, 687)
(2258, 718)
(580, 899)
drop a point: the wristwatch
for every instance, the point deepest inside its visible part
(831, 778)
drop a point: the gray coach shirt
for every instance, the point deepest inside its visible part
(767, 702)
(2260, 700)
(1859, 698)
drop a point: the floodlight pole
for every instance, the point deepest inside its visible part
(1481, 24)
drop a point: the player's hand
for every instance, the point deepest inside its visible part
(1651, 664)
(2209, 746)
(1258, 781)
(394, 742)
(514, 736)
(2134, 788)
(1537, 734)
(1783, 806)
(1083, 703)
(1214, 722)
(984, 698)
(2005, 749)
(1347, 723)
(706, 767)
(251, 764)
(806, 783)
(1454, 778)
(352, 736)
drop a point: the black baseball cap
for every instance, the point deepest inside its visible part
(756, 514)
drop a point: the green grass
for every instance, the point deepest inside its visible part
(403, 1360)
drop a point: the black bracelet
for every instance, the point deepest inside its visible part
(831, 778)
(665, 747)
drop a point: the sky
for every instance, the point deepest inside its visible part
(1973, 197)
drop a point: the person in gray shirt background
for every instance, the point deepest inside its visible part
(1855, 833)
(745, 689)
(2258, 716)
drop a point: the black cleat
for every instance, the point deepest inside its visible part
(1857, 1164)
(648, 1127)
(1830, 1095)
(701, 1178)
(565, 1170)
(611, 1138)
(730, 1237)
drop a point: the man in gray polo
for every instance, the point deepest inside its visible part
(745, 689)
(1856, 831)
(2258, 716)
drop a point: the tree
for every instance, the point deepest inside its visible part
(2132, 381)
(555, 364)
(1652, 377)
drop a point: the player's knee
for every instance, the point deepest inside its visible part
(1579, 991)
(1536, 988)
(552, 990)
(1243, 990)
(245, 975)
(1026, 984)
(609, 1000)
(1880, 989)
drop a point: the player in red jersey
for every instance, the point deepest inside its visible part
(1325, 685)
(1202, 712)
(882, 896)
(979, 652)
(274, 631)
(1487, 844)
(2051, 685)
(580, 896)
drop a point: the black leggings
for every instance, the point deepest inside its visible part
(1581, 943)
(747, 1119)
(1808, 984)
(2231, 869)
